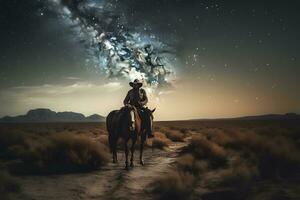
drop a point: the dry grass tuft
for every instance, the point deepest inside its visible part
(104, 139)
(61, 153)
(202, 148)
(239, 174)
(175, 136)
(188, 163)
(159, 141)
(273, 156)
(174, 185)
(8, 139)
(8, 185)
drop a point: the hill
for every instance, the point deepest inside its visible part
(287, 116)
(47, 115)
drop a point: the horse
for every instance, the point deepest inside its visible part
(118, 124)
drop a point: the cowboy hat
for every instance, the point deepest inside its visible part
(136, 82)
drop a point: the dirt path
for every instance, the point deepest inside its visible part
(111, 182)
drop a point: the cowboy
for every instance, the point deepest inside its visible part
(137, 97)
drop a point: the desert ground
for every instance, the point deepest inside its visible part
(204, 159)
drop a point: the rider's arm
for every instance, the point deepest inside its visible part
(126, 100)
(144, 100)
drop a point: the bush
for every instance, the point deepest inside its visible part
(202, 148)
(240, 174)
(273, 156)
(104, 139)
(188, 163)
(8, 139)
(159, 141)
(61, 153)
(184, 130)
(8, 185)
(175, 136)
(174, 185)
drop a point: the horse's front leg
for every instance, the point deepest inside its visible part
(114, 150)
(132, 150)
(126, 154)
(141, 151)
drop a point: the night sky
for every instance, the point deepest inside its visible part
(224, 58)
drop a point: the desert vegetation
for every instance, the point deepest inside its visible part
(220, 159)
(234, 160)
(8, 185)
(42, 148)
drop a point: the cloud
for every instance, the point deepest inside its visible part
(82, 97)
(71, 78)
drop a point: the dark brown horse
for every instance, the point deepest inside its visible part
(118, 124)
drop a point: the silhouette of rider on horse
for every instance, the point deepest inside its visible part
(137, 98)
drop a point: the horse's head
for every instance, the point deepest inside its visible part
(148, 120)
(125, 113)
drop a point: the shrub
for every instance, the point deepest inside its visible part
(159, 141)
(202, 148)
(184, 130)
(175, 136)
(104, 139)
(8, 185)
(274, 155)
(188, 163)
(240, 174)
(174, 185)
(62, 153)
(8, 139)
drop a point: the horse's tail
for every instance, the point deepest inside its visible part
(111, 129)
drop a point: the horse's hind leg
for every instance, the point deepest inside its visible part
(126, 154)
(115, 157)
(141, 151)
(114, 144)
(132, 151)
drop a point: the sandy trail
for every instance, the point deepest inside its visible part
(111, 182)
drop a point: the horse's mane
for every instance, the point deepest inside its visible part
(124, 109)
(124, 112)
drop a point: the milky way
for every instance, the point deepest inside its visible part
(116, 48)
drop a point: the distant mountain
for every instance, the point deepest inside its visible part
(287, 116)
(95, 117)
(47, 115)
